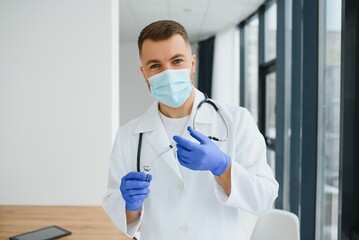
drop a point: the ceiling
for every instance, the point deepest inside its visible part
(201, 18)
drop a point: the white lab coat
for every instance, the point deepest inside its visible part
(186, 204)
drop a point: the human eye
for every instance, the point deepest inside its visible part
(154, 66)
(178, 61)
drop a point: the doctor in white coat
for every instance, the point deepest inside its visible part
(199, 189)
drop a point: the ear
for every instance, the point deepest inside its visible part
(194, 58)
(145, 77)
(193, 67)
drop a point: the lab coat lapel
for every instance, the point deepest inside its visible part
(159, 140)
(157, 137)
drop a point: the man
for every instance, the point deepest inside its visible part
(199, 189)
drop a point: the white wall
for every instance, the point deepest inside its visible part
(56, 109)
(135, 96)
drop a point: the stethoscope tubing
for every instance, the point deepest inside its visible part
(209, 101)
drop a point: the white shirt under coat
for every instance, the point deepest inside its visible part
(186, 204)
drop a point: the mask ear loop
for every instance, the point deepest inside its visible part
(148, 82)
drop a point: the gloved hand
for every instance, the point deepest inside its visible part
(203, 156)
(135, 188)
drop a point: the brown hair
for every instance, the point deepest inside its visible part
(161, 30)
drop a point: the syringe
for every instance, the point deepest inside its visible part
(164, 151)
(147, 168)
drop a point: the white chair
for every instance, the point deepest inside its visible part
(277, 225)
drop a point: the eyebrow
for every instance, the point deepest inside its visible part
(157, 61)
(177, 56)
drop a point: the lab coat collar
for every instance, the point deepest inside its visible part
(152, 116)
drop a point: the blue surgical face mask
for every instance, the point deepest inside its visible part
(171, 87)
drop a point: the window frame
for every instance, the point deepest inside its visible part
(349, 129)
(263, 69)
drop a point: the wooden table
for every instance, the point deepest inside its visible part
(84, 222)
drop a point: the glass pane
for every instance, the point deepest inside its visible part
(270, 105)
(271, 159)
(270, 33)
(251, 67)
(287, 104)
(329, 120)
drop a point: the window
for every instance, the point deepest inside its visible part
(251, 67)
(267, 79)
(270, 32)
(258, 79)
(271, 159)
(267, 106)
(270, 107)
(328, 120)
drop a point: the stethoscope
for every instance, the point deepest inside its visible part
(205, 100)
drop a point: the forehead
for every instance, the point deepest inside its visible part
(164, 49)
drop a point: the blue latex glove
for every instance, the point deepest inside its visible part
(135, 188)
(203, 156)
